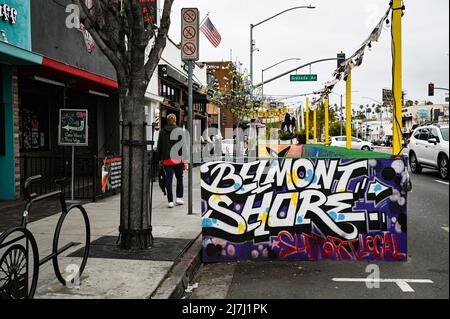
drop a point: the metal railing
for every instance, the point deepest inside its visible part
(88, 175)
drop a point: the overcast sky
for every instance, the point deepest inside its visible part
(321, 33)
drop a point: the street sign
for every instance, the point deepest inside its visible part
(190, 25)
(73, 127)
(304, 78)
(446, 99)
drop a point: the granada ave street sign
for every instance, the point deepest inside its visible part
(303, 77)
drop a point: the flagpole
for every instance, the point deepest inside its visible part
(204, 19)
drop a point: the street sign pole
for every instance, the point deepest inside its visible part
(190, 27)
(191, 135)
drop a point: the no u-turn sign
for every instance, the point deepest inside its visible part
(189, 34)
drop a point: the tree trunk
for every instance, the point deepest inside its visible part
(135, 228)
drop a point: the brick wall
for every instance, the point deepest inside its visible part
(16, 132)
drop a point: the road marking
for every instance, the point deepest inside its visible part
(441, 182)
(403, 284)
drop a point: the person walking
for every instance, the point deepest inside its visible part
(171, 166)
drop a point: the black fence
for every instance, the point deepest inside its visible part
(92, 175)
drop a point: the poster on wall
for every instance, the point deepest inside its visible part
(305, 210)
(111, 174)
(73, 127)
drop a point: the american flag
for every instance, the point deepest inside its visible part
(210, 31)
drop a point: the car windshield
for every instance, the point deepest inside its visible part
(444, 132)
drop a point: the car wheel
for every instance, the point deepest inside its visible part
(414, 164)
(443, 166)
(366, 148)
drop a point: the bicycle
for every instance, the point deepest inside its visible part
(15, 265)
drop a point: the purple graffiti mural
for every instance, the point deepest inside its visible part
(305, 209)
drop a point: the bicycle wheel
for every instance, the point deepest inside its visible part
(71, 273)
(15, 273)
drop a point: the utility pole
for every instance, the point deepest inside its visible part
(342, 114)
(397, 13)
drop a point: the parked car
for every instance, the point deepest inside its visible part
(357, 144)
(429, 148)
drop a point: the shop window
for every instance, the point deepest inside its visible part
(169, 92)
(34, 129)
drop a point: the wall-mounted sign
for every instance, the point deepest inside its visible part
(8, 13)
(111, 174)
(73, 127)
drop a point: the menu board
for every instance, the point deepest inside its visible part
(73, 127)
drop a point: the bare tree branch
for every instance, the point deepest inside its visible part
(160, 42)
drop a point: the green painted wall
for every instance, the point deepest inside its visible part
(18, 34)
(7, 178)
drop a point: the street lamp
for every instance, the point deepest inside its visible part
(252, 26)
(270, 67)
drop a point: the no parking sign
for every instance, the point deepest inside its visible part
(190, 26)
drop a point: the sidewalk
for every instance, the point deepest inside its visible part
(115, 277)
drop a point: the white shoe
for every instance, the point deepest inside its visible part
(171, 205)
(180, 202)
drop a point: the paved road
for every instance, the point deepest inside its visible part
(428, 259)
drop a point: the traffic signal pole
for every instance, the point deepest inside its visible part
(397, 12)
(349, 110)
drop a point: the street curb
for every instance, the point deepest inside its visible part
(173, 286)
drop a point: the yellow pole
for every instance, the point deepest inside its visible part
(315, 124)
(349, 110)
(307, 120)
(327, 119)
(397, 77)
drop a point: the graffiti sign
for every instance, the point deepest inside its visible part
(305, 209)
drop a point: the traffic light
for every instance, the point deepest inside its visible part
(431, 89)
(341, 59)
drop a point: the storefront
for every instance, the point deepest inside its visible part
(47, 67)
(173, 88)
(15, 51)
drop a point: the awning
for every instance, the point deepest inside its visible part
(154, 97)
(10, 54)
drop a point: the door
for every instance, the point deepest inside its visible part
(356, 144)
(422, 144)
(432, 150)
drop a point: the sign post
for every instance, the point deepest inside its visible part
(73, 131)
(190, 26)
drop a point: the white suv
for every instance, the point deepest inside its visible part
(429, 148)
